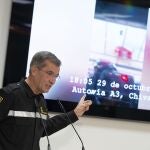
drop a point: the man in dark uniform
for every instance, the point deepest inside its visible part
(23, 112)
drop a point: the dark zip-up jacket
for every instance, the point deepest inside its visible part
(20, 118)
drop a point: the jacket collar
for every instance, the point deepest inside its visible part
(28, 90)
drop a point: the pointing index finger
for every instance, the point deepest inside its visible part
(83, 98)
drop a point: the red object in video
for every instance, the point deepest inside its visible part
(123, 52)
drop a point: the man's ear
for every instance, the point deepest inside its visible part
(34, 70)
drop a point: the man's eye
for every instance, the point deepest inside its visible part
(49, 73)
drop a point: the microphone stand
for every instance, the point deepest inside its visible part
(44, 126)
(63, 109)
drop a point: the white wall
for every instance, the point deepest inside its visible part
(5, 9)
(102, 134)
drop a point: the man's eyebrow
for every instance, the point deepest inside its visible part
(50, 71)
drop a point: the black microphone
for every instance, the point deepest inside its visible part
(43, 124)
(63, 109)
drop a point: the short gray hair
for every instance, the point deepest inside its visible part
(39, 58)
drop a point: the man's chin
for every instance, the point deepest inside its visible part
(46, 90)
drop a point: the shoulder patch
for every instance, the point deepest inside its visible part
(1, 99)
(11, 87)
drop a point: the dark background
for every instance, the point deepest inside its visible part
(18, 41)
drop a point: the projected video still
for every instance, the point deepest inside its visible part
(103, 47)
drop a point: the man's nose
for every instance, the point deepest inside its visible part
(52, 80)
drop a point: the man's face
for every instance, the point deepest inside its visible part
(45, 77)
